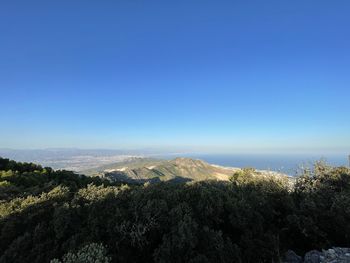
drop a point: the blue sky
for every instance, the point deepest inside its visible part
(211, 76)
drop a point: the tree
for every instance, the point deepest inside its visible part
(91, 253)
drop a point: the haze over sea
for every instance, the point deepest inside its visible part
(82, 159)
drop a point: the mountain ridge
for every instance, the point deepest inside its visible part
(142, 170)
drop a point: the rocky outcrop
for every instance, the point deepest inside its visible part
(333, 255)
(292, 257)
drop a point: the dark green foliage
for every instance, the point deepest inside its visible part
(7, 164)
(322, 214)
(250, 219)
(22, 179)
(91, 253)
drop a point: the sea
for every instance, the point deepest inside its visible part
(291, 164)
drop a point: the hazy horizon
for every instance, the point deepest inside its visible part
(81, 160)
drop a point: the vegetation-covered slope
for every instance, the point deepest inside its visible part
(179, 169)
(248, 219)
(140, 170)
(22, 179)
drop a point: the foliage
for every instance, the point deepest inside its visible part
(92, 253)
(22, 179)
(249, 219)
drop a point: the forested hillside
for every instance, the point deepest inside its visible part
(60, 216)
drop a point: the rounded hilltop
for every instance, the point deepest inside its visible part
(178, 169)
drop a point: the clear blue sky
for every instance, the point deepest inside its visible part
(178, 75)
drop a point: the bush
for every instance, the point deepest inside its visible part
(92, 253)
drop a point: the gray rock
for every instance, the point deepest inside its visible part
(292, 257)
(336, 255)
(332, 255)
(313, 257)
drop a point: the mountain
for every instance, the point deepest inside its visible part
(141, 170)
